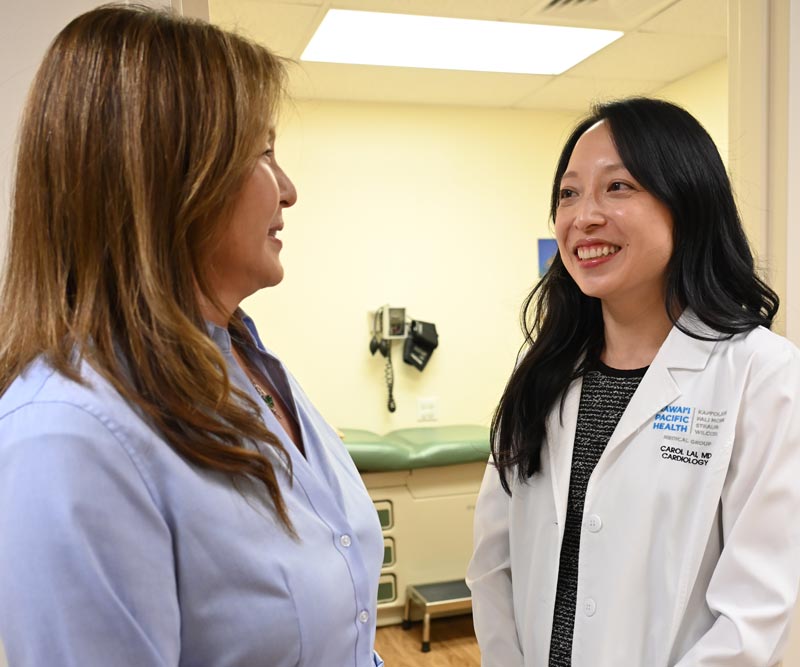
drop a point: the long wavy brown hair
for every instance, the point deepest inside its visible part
(138, 133)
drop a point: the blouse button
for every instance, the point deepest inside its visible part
(363, 616)
(345, 540)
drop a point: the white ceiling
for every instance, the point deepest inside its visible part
(664, 40)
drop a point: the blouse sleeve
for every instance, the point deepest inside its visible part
(86, 562)
(754, 586)
(489, 577)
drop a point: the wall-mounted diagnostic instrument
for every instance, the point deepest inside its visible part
(389, 323)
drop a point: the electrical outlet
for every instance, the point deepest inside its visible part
(428, 409)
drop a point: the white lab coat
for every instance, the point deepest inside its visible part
(690, 548)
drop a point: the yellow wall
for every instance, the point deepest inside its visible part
(435, 209)
(705, 95)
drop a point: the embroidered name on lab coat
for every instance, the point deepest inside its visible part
(691, 432)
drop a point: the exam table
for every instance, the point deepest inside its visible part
(424, 483)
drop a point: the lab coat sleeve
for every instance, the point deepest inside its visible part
(86, 560)
(489, 577)
(754, 586)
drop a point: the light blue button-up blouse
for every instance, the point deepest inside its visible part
(116, 552)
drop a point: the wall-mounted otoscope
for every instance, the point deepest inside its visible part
(390, 324)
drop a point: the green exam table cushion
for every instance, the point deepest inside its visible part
(421, 447)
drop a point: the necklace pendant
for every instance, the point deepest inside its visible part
(267, 398)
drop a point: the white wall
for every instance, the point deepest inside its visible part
(26, 29)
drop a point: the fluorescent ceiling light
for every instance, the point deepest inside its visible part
(431, 42)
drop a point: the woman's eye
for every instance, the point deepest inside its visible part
(566, 193)
(269, 153)
(618, 186)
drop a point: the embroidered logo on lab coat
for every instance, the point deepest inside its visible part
(673, 418)
(691, 433)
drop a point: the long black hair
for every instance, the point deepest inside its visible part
(711, 271)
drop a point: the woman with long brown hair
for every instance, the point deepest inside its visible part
(168, 494)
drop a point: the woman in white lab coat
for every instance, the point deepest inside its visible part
(643, 509)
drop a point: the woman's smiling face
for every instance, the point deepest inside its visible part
(614, 237)
(247, 258)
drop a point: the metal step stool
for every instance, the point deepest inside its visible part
(447, 597)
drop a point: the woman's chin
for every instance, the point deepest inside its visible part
(272, 277)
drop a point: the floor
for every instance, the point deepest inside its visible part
(453, 644)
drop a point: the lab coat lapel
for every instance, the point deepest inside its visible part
(561, 428)
(659, 387)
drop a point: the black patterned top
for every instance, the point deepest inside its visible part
(605, 394)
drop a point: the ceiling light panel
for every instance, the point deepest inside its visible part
(432, 42)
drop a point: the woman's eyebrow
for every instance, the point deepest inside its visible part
(615, 166)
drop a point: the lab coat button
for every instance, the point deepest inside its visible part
(589, 607)
(345, 540)
(594, 523)
(363, 616)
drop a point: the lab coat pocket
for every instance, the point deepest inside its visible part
(694, 437)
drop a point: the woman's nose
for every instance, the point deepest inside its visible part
(288, 191)
(589, 213)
